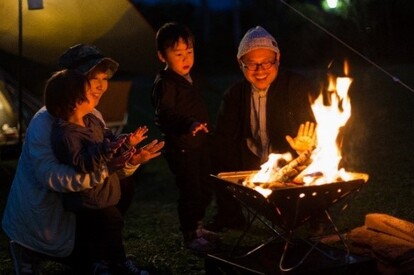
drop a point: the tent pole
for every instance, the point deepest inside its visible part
(20, 77)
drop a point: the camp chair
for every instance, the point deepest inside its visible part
(114, 105)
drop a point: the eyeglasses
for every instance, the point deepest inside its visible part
(255, 66)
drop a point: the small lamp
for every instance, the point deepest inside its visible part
(35, 4)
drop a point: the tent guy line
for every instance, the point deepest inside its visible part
(394, 78)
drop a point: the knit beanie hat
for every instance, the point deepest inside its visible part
(257, 38)
(84, 58)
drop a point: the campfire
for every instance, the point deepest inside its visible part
(289, 191)
(332, 110)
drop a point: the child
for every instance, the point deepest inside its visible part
(80, 139)
(182, 116)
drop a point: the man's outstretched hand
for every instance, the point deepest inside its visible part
(306, 138)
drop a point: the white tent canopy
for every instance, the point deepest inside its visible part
(115, 26)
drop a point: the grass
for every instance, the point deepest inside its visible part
(378, 140)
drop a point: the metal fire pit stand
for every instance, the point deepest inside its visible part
(287, 208)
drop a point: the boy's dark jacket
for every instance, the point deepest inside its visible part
(178, 104)
(287, 107)
(84, 149)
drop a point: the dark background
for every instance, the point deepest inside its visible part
(378, 138)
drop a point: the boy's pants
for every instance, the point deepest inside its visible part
(191, 170)
(99, 235)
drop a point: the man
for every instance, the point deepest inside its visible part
(258, 116)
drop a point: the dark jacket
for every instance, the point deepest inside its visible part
(178, 104)
(84, 149)
(287, 107)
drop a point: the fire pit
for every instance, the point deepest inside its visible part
(288, 207)
(288, 192)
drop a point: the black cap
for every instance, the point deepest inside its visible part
(84, 58)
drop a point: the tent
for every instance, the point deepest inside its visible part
(115, 26)
(9, 99)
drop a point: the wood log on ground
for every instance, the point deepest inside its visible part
(384, 247)
(390, 225)
(387, 239)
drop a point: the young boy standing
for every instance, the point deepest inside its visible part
(182, 116)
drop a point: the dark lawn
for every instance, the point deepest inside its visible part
(378, 141)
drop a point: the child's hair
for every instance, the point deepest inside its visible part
(63, 90)
(169, 35)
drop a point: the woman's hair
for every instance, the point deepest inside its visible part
(102, 67)
(64, 89)
(169, 35)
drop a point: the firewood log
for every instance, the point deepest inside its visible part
(390, 225)
(363, 240)
(288, 171)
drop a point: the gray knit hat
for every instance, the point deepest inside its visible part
(257, 38)
(83, 58)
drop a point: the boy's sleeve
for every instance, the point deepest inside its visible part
(127, 171)
(48, 170)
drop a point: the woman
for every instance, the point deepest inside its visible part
(34, 218)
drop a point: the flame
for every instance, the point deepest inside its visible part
(325, 159)
(267, 173)
(268, 170)
(330, 119)
(346, 67)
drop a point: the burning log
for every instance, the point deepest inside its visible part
(299, 179)
(290, 170)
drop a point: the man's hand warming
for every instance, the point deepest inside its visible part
(306, 138)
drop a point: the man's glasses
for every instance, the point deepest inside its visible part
(255, 66)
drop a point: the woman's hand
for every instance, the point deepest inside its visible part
(306, 138)
(148, 152)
